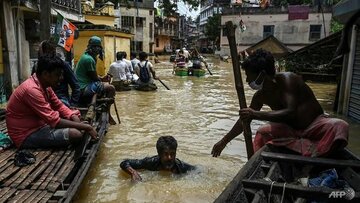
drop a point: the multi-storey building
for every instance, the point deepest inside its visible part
(138, 17)
(19, 42)
(207, 9)
(295, 26)
(166, 33)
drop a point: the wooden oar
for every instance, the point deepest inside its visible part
(110, 100)
(116, 111)
(239, 85)
(89, 117)
(206, 65)
(164, 84)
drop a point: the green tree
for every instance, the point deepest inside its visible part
(335, 26)
(170, 6)
(212, 29)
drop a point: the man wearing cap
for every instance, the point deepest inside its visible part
(90, 82)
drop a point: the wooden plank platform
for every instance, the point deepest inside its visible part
(54, 177)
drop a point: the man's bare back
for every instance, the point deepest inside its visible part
(295, 112)
(288, 86)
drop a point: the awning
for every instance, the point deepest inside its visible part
(345, 9)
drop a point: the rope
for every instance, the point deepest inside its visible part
(271, 186)
(283, 193)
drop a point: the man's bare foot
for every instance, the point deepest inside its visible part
(111, 120)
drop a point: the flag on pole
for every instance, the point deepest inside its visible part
(64, 32)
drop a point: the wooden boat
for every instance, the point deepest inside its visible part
(57, 173)
(145, 88)
(181, 71)
(263, 178)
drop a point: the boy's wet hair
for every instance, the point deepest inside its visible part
(260, 60)
(49, 63)
(143, 55)
(124, 54)
(119, 55)
(133, 55)
(165, 142)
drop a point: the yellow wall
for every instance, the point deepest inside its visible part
(107, 37)
(123, 45)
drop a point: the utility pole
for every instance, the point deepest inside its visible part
(45, 15)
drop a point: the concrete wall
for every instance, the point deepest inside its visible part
(141, 33)
(23, 45)
(294, 33)
(163, 41)
(11, 63)
(101, 20)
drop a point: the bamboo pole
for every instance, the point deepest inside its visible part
(239, 85)
(164, 84)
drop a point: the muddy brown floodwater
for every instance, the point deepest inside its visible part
(197, 112)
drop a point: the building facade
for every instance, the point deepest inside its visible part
(138, 17)
(255, 24)
(208, 9)
(19, 43)
(166, 34)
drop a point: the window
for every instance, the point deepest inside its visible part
(140, 22)
(268, 30)
(157, 42)
(315, 32)
(151, 30)
(150, 12)
(224, 32)
(136, 46)
(127, 21)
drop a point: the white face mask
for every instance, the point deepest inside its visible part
(253, 85)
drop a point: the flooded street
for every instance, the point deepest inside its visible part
(197, 112)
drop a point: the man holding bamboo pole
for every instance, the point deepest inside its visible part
(297, 121)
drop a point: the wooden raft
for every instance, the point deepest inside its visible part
(54, 177)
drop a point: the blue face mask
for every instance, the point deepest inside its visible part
(253, 85)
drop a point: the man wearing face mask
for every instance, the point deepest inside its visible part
(297, 121)
(165, 160)
(90, 82)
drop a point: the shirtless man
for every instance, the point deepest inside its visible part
(295, 112)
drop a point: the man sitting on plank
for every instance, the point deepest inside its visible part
(165, 160)
(36, 118)
(297, 121)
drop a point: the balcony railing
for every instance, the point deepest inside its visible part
(68, 5)
(270, 10)
(165, 32)
(72, 6)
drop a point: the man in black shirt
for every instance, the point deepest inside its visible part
(165, 160)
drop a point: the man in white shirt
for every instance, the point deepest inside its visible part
(121, 75)
(186, 54)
